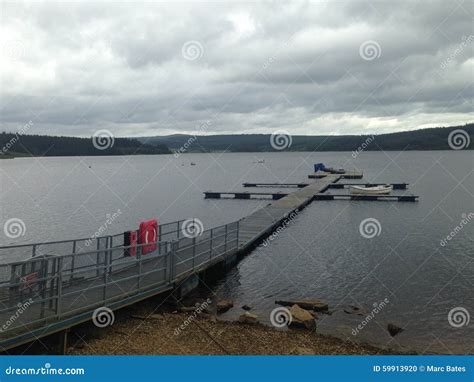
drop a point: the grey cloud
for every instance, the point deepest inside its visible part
(263, 66)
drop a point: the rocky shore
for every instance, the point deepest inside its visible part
(189, 331)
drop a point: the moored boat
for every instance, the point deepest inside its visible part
(374, 190)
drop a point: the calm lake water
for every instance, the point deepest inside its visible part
(320, 255)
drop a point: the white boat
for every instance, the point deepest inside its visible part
(374, 190)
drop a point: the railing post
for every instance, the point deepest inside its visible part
(159, 239)
(33, 252)
(238, 230)
(225, 237)
(108, 249)
(98, 256)
(210, 245)
(169, 260)
(139, 259)
(73, 259)
(106, 276)
(172, 255)
(53, 283)
(43, 273)
(194, 252)
(60, 288)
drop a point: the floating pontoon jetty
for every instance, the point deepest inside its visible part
(53, 286)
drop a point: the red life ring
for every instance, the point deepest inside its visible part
(148, 236)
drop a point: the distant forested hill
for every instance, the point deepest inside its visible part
(423, 139)
(43, 145)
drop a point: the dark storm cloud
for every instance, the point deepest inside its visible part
(159, 68)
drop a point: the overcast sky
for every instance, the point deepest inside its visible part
(156, 68)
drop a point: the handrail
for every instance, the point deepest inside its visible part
(101, 277)
(36, 244)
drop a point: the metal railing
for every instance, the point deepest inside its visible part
(166, 232)
(50, 288)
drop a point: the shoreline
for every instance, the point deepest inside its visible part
(140, 332)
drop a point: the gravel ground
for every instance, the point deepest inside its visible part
(159, 333)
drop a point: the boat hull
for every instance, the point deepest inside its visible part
(377, 190)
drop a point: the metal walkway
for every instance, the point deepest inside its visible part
(47, 293)
(263, 221)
